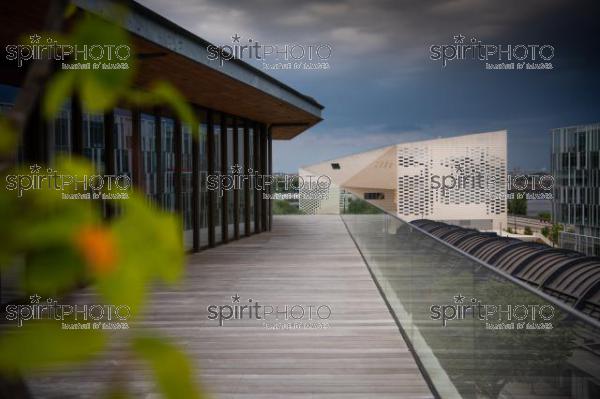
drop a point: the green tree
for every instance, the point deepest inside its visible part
(545, 216)
(283, 207)
(555, 232)
(517, 205)
(360, 207)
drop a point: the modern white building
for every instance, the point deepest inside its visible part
(459, 180)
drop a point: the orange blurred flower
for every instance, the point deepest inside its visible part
(98, 247)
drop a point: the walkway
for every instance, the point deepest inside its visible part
(305, 260)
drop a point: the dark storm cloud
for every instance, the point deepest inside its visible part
(383, 88)
(381, 28)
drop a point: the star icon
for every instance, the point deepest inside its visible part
(236, 169)
(458, 39)
(35, 298)
(236, 298)
(35, 38)
(459, 298)
(35, 168)
(236, 38)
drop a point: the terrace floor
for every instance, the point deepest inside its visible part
(306, 260)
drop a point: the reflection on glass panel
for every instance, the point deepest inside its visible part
(60, 132)
(93, 139)
(251, 156)
(230, 204)
(217, 168)
(93, 144)
(8, 95)
(122, 141)
(203, 164)
(122, 151)
(167, 137)
(242, 201)
(186, 185)
(149, 166)
(477, 333)
(11, 277)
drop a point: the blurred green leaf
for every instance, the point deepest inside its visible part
(42, 221)
(57, 92)
(99, 88)
(172, 369)
(39, 344)
(43, 217)
(168, 94)
(70, 10)
(125, 286)
(151, 238)
(116, 391)
(74, 165)
(149, 247)
(53, 271)
(8, 136)
(98, 94)
(48, 231)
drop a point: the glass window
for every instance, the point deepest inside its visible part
(230, 203)
(203, 164)
(93, 139)
(149, 164)
(60, 132)
(93, 145)
(241, 196)
(122, 141)
(122, 151)
(167, 143)
(8, 95)
(373, 196)
(252, 170)
(186, 186)
(217, 171)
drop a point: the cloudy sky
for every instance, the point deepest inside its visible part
(383, 88)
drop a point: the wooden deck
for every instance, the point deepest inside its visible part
(306, 260)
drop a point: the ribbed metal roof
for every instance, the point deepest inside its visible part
(568, 275)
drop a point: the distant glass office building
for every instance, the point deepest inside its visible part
(576, 169)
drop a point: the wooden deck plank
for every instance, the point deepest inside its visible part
(304, 260)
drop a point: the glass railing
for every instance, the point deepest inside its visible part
(475, 332)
